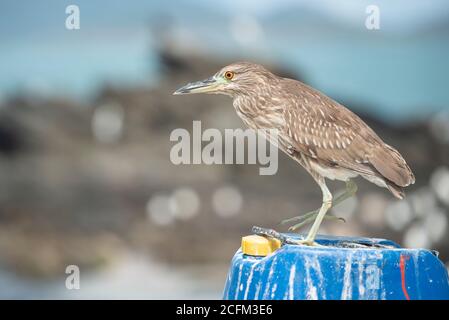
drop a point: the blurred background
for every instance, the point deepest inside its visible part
(86, 115)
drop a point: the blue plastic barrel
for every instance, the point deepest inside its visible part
(347, 268)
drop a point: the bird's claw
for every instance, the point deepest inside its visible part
(284, 239)
(301, 217)
(307, 242)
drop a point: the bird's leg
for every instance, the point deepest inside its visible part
(311, 218)
(326, 205)
(350, 190)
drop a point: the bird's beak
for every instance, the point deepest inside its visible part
(208, 85)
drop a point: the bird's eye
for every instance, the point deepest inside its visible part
(229, 75)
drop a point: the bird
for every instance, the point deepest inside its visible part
(327, 139)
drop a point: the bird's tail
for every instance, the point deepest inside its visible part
(392, 166)
(396, 190)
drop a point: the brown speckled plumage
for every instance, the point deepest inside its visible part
(326, 138)
(318, 131)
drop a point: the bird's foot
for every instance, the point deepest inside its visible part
(307, 242)
(307, 219)
(301, 217)
(284, 239)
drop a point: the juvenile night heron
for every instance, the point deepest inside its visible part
(323, 136)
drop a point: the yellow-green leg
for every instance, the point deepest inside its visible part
(325, 206)
(351, 189)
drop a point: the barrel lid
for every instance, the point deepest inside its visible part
(255, 245)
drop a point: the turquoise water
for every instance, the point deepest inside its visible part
(403, 79)
(394, 75)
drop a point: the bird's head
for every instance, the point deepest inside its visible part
(234, 79)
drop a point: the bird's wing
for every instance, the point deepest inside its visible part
(323, 129)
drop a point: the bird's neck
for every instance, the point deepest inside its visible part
(258, 110)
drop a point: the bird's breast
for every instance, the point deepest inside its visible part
(257, 114)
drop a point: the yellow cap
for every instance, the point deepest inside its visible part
(259, 246)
